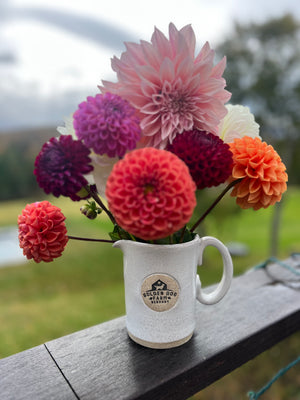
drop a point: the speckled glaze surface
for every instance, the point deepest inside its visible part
(162, 286)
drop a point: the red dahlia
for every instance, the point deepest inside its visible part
(209, 159)
(42, 231)
(61, 165)
(151, 193)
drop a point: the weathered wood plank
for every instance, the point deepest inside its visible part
(32, 375)
(103, 363)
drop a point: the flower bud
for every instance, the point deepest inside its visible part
(90, 210)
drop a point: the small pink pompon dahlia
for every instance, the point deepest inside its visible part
(151, 193)
(171, 89)
(107, 124)
(42, 231)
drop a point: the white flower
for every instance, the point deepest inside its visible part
(102, 169)
(238, 122)
(68, 129)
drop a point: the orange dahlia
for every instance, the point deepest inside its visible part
(151, 193)
(42, 231)
(262, 172)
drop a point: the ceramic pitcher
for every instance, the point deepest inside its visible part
(162, 286)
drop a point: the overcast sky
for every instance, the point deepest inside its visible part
(54, 53)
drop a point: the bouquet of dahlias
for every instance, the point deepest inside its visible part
(141, 148)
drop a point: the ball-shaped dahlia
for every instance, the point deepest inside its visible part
(107, 124)
(262, 172)
(61, 165)
(42, 231)
(151, 193)
(209, 159)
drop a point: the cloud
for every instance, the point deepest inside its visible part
(100, 32)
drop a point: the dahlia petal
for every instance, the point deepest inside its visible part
(136, 52)
(161, 44)
(179, 45)
(150, 55)
(190, 38)
(166, 71)
(219, 68)
(205, 54)
(148, 89)
(148, 73)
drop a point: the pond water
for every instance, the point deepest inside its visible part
(10, 252)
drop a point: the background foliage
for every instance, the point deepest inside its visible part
(39, 302)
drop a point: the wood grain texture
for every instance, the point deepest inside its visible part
(103, 363)
(32, 375)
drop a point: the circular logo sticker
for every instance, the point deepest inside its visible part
(160, 292)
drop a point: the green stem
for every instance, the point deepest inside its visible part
(182, 234)
(228, 187)
(101, 204)
(90, 240)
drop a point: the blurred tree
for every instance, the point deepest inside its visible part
(263, 72)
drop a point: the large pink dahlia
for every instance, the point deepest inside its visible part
(171, 89)
(151, 193)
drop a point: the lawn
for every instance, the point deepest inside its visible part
(40, 302)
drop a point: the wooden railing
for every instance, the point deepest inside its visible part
(261, 308)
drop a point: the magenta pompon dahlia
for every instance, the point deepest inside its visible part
(42, 231)
(151, 193)
(107, 124)
(61, 165)
(209, 159)
(172, 90)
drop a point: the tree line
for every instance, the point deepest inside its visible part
(263, 72)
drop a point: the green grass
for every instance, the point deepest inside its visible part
(40, 302)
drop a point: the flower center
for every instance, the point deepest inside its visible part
(148, 188)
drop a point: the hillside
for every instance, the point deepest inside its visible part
(18, 151)
(32, 138)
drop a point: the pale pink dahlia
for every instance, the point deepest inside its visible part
(171, 89)
(151, 193)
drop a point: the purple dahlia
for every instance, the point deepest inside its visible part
(209, 159)
(61, 165)
(107, 124)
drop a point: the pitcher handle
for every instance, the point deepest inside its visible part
(223, 286)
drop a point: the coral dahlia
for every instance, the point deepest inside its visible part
(151, 193)
(107, 124)
(61, 165)
(263, 172)
(42, 231)
(172, 90)
(209, 159)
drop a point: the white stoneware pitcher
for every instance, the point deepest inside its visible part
(161, 288)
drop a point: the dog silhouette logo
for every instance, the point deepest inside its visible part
(159, 285)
